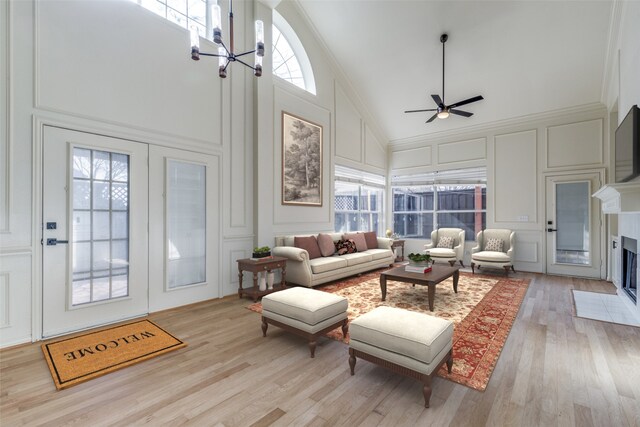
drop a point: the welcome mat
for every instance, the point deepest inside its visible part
(81, 358)
(483, 312)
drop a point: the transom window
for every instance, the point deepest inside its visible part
(186, 13)
(285, 63)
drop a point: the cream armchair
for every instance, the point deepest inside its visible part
(450, 255)
(485, 254)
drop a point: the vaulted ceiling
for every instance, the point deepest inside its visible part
(524, 57)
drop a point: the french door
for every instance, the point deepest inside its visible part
(95, 238)
(573, 225)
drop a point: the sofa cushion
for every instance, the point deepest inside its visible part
(493, 244)
(357, 258)
(326, 245)
(310, 244)
(415, 335)
(491, 256)
(371, 239)
(445, 242)
(358, 238)
(379, 253)
(324, 264)
(344, 247)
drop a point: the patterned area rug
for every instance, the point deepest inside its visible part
(482, 311)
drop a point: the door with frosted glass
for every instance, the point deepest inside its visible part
(573, 225)
(184, 239)
(94, 236)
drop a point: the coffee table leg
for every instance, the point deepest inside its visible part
(383, 286)
(432, 296)
(456, 276)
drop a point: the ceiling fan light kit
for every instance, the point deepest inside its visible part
(443, 111)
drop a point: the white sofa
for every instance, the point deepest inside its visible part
(303, 271)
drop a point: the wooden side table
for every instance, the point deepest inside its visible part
(398, 244)
(256, 267)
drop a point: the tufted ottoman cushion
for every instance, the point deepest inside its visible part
(406, 342)
(305, 312)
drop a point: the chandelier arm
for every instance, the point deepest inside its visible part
(245, 53)
(244, 63)
(212, 54)
(225, 48)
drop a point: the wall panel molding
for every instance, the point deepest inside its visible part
(577, 144)
(462, 151)
(5, 297)
(405, 160)
(5, 118)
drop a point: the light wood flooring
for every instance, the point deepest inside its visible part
(555, 369)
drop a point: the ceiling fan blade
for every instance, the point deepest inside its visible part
(432, 118)
(437, 100)
(420, 111)
(461, 113)
(466, 101)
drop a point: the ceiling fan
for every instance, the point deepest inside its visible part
(443, 110)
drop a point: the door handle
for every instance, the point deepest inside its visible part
(53, 242)
(551, 229)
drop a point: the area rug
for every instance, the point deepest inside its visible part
(482, 311)
(81, 358)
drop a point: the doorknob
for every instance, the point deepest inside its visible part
(551, 229)
(53, 242)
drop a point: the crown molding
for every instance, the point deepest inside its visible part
(470, 131)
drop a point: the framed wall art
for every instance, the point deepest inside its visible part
(301, 161)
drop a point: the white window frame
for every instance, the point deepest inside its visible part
(298, 49)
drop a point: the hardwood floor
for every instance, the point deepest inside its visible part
(555, 369)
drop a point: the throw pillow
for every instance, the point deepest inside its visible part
(325, 243)
(358, 238)
(310, 244)
(344, 247)
(445, 242)
(371, 239)
(493, 245)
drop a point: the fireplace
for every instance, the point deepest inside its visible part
(630, 267)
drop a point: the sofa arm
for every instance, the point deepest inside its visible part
(384, 243)
(475, 249)
(291, 253)
(429, 246)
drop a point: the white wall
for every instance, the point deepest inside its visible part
(350, 136)
(116, 69)
(518, 154)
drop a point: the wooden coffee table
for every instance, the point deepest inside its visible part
(430, 279)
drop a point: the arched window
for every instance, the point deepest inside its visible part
(290, 61)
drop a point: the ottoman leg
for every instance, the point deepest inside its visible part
(473, 268)
(264, 326)
(352, 361)
(426, 390)
(450, 361)
(345, 328)
(312, 347)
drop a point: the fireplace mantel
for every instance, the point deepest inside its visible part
(620, 198)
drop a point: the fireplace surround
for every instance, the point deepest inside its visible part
(629, 277)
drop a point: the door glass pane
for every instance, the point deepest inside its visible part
(100, 231)
(572, 220)
(186, 224)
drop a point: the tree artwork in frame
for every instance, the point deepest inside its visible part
(301, 161)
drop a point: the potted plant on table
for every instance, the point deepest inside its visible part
(420, 260)
(261, 252)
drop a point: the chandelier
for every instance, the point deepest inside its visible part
(226, 55)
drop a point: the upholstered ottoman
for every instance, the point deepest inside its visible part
(406, 342)
(305, 312)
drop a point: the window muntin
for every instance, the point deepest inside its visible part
(285, 62)
(418, 209)
(185, 13)
(359, 201)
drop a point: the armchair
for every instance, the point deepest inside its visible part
(450, 255)
(494, 248)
